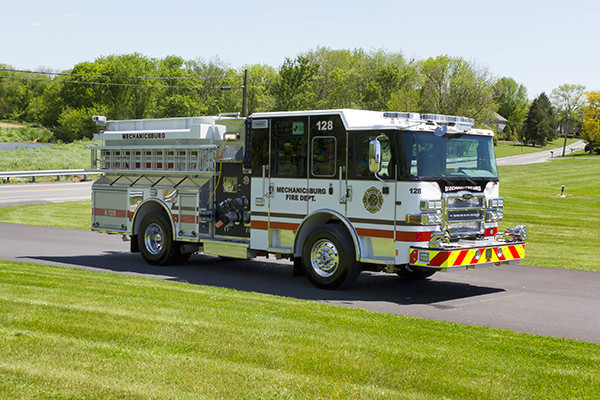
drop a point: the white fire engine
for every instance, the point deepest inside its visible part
(336, 191)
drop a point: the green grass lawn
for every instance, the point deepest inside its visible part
(563, 231)
(73, 334)
(506, 149)
(70, 215)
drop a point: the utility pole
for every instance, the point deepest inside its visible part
(245, 87)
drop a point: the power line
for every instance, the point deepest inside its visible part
(120, 77)
(244, 86)
(122, 84)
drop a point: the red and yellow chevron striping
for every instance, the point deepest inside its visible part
(464, 257)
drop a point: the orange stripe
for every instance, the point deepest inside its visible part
(286, 226)
(375, 233)
(262, 225)
(188, 219)
(109, 212)
(402, 236)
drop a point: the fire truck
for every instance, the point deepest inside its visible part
(336, 192)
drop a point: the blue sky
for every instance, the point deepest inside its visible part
(539, 44)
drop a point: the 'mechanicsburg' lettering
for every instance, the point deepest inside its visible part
(304, 190)
(301, 193)
(132, 136)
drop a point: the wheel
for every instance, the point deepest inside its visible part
(406, 271)
(329, 258)
(156, 243)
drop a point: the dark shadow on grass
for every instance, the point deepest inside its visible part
(275, 278)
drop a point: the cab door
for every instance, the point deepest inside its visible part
(327, 179)
(288, 186)
(372, 206)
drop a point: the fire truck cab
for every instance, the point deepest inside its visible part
(335, 191)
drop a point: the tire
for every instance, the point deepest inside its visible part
(155, 240)
(329, 258)
(406, 271)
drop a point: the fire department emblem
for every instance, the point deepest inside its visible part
(372, 200)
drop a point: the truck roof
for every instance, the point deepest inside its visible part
(362, 119)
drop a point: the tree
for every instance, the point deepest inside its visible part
(568, 101)
(539, 124)
(512, 101)
(453, 86)
(17, 91)
(261, 79)
(76, 124)
(293, 89)
(360, 79)
(216, 76)
(590, 130)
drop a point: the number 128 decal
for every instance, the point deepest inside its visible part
(325, 125)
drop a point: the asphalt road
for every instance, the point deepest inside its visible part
(540, 156)
(545, 301)
(36, 193)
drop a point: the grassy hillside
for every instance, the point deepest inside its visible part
(11, 131)
(57, 156)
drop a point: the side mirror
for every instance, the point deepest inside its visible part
(374, 155)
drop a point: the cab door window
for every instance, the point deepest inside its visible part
(359, 155)
(289, 148)
(324, 160)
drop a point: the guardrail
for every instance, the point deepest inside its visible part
(55, 172)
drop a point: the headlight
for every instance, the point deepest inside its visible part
(431, 205)
(496, 203)
(494, 215)
(425, 218)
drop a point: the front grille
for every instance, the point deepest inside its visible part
(463, 214)
(471, 201)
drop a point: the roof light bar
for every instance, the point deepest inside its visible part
(458, 123)
(404, 115)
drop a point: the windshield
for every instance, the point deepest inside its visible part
(451, 157)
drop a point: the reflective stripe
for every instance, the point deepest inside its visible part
(464, 257)
(110, 212)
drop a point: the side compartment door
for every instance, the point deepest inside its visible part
(110, 208)
(259, 145)
(186, 215)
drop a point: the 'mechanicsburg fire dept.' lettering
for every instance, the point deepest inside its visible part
(147, 135)
(300, 193)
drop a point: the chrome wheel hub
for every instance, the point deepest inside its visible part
(153, 238)
(324, 258)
